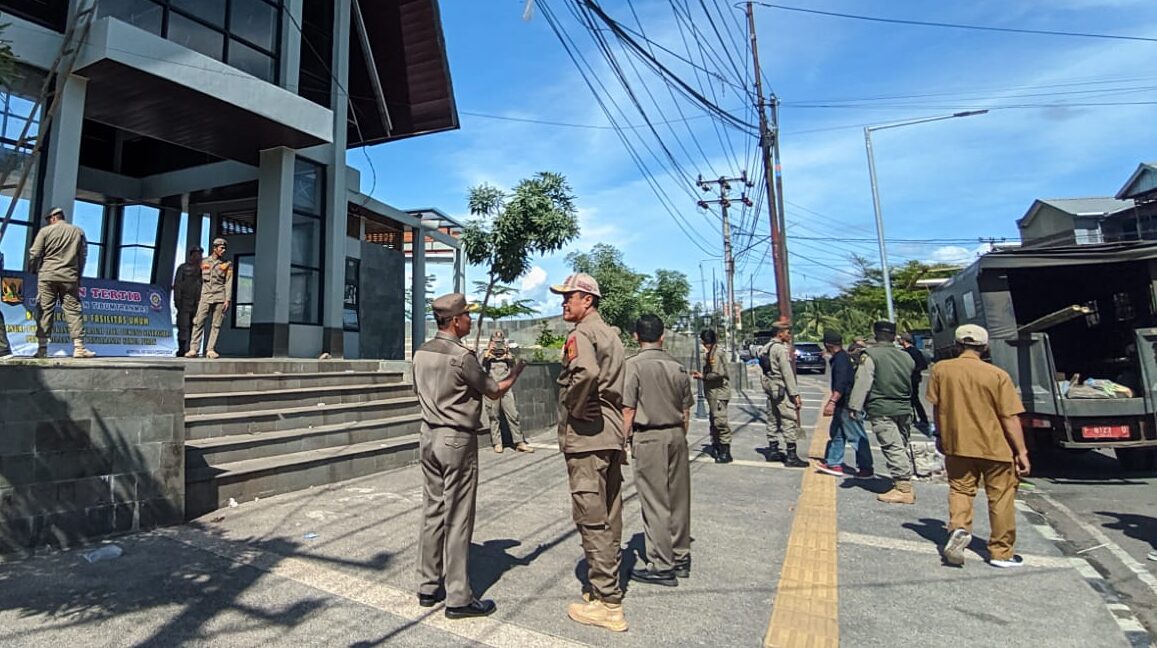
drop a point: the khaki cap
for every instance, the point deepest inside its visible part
(972, 334)
(219, 241)
(448, 306)
(577, 282)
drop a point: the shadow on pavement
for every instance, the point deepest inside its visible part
(936, 532)
(1138, 527)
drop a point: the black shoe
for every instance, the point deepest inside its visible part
(773, 453)
(430, 600)
(475, 609)
(723, 454)
(654, 577)
(683, 568)
(792, 460)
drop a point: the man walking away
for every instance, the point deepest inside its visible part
(450, 385)
(58, 254)
(844, 428)
(976, 409)
(590, 435)
(783, 398)
(717, 386)
(883, 392)
(657, 402)
(497, 360)
(216, 295)
(186, 294)
(909, 346)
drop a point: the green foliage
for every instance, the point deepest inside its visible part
(548, 343)
(627, 294)
(7, 57)
(428, 310)
(510, 308)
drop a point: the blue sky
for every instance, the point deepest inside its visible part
(944, 184)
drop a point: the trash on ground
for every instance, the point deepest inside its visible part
(219, 518)
(233, 503)
(107, 552)
(311, 536)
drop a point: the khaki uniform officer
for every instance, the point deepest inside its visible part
(657, 403)
(58, 255)
(590, 435)
(717, 386)
(783, 399)
(498, 361)
(186, 294)
(216, 295)
(450, 385)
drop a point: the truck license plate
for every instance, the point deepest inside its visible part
(1105, 432)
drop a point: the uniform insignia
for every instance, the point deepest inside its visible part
(569, 350)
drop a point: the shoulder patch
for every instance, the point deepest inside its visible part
(570, 349)
(205, 265)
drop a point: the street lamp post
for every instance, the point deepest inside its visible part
(876, 193)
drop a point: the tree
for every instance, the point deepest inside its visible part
(429, 306)
(669, 291)
(509, 307)
(627, 294)
(538, 217)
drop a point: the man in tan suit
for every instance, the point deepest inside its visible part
(450, 384)
(657, 402)
(58, 255)
(216, 296)
(590, 435)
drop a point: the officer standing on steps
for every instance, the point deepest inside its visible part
(783, 398)
(498, 361)
(450, 384)
(216, 295)
(883, 393)
(186, 294)
(58, 256)
(590, 435)
(657, 402)
(717, 386)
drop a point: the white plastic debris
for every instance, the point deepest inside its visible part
(107, 552)
(233, 503)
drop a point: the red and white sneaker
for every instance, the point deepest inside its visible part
(838, 471)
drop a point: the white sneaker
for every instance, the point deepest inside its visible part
(1153, 555)
(1015, 561)
(954, 549)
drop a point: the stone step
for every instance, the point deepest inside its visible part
(210, 383)
(205, 426)
(241, 401)
(276, 365)
(240, 447)
(209, 488)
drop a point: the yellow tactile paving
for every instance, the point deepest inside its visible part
(805, 613)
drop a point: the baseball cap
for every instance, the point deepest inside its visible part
(833, 337)
(55, 211)
(219, 241)
(577, 282)
(884, 327)
(452, 304)
(972, 334)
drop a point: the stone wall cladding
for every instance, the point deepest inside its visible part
(537, 395)
(88, 449)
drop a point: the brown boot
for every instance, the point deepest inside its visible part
(191, 354)
(79, 351)
(212, 355)
(498, 448)
(600, 614)
(522, 447)
(901, 493)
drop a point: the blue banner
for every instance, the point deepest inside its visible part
(120, 318)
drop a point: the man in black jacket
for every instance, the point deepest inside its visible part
(844, 427)
(921, 416)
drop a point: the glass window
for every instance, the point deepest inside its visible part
(304, 295)
(307, 187)
(196, 36)
(249, 60)
(90, 218)
(950, 311)
(243, 292)
(13, 246)
(144, 14)
(136, 264)
(140, 225)
(969, 305)
(306, 242)
(937, 320)
(211, 11)
(255, 21)
(351, 301)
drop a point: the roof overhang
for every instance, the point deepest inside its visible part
(1142, 185)
(150, 86)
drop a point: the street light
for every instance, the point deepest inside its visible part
(876, 193)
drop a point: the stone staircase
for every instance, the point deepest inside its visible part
(255, 428)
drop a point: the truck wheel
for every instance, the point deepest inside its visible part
(1136, 459)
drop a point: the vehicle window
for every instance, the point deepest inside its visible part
(808, 347)
(937, 320)
(969, 305)
(950, 311)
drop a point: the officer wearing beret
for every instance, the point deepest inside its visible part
(450, 384)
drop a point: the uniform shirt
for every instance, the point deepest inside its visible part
(187, 286)
(59, 252)
(450, 384)
(658, 388)
(883, 382)
(716, 382)
(843, 376)
(780, 372)
(216, 280)
(590, 397)
(971, 396)
(498, 367)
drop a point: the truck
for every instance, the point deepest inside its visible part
(1057, 316)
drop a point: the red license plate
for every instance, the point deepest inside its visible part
(1105, 432)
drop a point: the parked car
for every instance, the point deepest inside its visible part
(809, 356)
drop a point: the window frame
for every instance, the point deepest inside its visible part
(319, 216)
(235, 306)
(121, 246)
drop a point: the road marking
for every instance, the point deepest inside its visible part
(402, 604)
(805, 612)
(927, 548)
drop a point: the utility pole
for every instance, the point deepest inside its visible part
(723, 185)
(769, 143)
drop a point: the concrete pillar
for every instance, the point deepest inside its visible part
(63, 156)
(337, 203)
(290, 72)
(168, 256)
(418, 289)
(459, 271)
(269, 331)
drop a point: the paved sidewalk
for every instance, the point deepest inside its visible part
(335, 567)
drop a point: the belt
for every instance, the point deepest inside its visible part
(456, 428)
(644, 428)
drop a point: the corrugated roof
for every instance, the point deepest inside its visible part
(1088, 206)
(1134, 187)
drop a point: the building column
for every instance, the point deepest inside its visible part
(459, 271)
(291, 46)
(269, 331)
(63, 160)
(337, 203)
(417, 289)
(167, 254)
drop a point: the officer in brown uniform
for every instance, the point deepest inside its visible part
(58, 255)
(497, 360)
(450, 384)
(657, 402)
(186, 294)
(717, 386)
(590, 435)
(216, 295)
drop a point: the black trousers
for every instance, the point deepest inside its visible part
(5, 349)
(917, 405)
(185, 315)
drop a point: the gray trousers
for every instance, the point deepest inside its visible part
(663, 481)
(492, 413)
(782, 424)
(449, 460)
(48, 293)
(720, 426)
(893, 433)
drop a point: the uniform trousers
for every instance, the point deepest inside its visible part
(186, 313)
(717, 415)
(893, 434)
(663, 481)
(1000, 482)
(5, 348)
(204, 311)
(449, 460)
(782, 422)
(596, 482)
(48, 293)
(493, 412)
